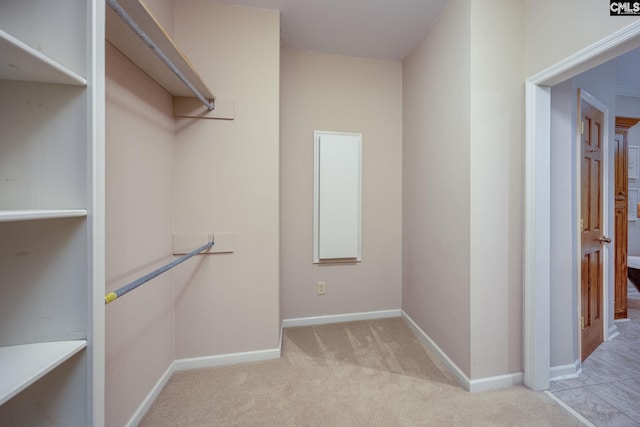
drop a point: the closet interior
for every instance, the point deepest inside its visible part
(52, 197)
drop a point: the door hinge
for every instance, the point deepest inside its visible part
(582, 322)
(582, 127)
(582, 225)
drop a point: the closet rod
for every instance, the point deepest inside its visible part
(154, 47)
(112, 296)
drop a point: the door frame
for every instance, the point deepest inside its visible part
(585, 96)
(537, 232)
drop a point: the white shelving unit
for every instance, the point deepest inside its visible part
(22, 62)
(51, 213)
(25, 364)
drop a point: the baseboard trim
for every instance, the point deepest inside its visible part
(426, 340)
(493, 383)
(613, 332)
(225, 359)
(151, 397)
(197, 363)
(566, 372)
(340, 318)
(473, 386)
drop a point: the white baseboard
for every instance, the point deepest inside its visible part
(613, 332)
(196, 363)
(340, 318)
(474, 386)
(151, 397)
(566, 372)
(225, 359)
(426, 340)
(492, 383)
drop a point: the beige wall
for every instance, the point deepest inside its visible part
(339, 93)
(227, 180)
(463, 180)
(139, 171)
(497, 182)
(556, 30)
(162, 11)
(436, 186)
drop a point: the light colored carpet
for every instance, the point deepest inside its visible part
(368, 373)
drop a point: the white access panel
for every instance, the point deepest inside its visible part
(337, 196)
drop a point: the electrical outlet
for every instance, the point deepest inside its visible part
(321, 287)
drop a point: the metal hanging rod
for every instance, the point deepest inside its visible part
(112, 296)
(154, 47)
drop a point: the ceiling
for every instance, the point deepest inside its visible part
(380, 29)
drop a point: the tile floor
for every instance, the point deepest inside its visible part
(607, 392)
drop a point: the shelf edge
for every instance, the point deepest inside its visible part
(129, 44)
(58, 73)
(65, 350)
(36, 214)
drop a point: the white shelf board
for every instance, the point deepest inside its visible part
(19, 61)
(129, 44)
(22, 365)
(34, 214)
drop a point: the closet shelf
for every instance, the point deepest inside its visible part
(22, 365)
(130, 45)
(34, 214)
(19, 61)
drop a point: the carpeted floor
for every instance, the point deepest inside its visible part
(368, 373)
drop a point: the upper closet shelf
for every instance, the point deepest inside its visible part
(19, 61)
(120, 35)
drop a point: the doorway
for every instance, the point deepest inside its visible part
(537, 198)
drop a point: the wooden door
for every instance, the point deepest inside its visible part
(592, 224)
(620, 283)
(621, 212)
